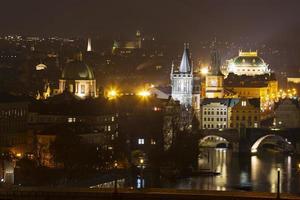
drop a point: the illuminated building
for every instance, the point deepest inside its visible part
(245, 113)
(215, 112)
(263, 86)
(247, 63)
(182, 82)
(78, 78)
(214, 80)
(126, 47)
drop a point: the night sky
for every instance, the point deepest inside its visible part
(172, 19)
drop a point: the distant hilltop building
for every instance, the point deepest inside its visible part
(78, 78)
(247, 63)
(125, 47)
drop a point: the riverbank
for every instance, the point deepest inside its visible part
(129, 194)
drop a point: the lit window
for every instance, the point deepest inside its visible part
(112, 119)
(141, 141)
(71, 119)
(153, 141)
(108, 128)
(244, 103)
(82, 89)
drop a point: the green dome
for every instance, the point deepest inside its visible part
(77, 70)
(248, 60)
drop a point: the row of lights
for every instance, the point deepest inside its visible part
(115, 93)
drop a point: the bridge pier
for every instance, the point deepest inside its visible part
(236, 147)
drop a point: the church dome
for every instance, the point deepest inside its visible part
(248, 60)
(77, 70)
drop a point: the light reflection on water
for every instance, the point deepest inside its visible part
(243, 172)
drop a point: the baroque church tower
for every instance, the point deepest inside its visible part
(214, 80)
(182, 80)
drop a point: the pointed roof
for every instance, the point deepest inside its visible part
(185, 65)
(215, 61)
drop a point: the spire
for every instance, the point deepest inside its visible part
(215, 60)
(172, 69)
(185, 65)
(89, 45)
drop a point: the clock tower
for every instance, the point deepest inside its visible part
(214, 80)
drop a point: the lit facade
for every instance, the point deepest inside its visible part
(246, 113)
(182, 80)
(78, 78)
(214, 80)
(247, 63)
(215, 113)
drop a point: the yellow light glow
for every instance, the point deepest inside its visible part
(144, 93)
(19, 155)
(204, 70)
(141, 161)
(112, 94)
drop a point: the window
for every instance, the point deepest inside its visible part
(204, 119)
(112, 119)
(108, 128)
(255, 125)
(153, 141)
(141, 141)
(82, 89)
(244, 103)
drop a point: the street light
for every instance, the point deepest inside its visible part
(142, 168)
(112, 94)
(278, 183)
(116, 180)
(144, 93)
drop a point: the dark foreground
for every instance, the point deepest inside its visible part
(155, 194)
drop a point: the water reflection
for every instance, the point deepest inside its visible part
(243, 172)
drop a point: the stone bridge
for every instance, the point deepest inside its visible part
(248, 140)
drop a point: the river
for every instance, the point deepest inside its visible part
(243, 172)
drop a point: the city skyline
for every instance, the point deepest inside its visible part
(173, 20)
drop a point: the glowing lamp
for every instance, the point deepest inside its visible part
(112, 94)
(204, 71)
(144, 93)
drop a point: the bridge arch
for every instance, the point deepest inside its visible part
(214, 141)
(281, 141)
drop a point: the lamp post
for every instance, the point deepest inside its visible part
(142, 168)
(116, 180)
(278, 184)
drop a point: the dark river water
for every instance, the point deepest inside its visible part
(243, 172)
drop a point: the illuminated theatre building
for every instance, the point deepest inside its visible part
(78, 79)
(248, 76)
(247, 63)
